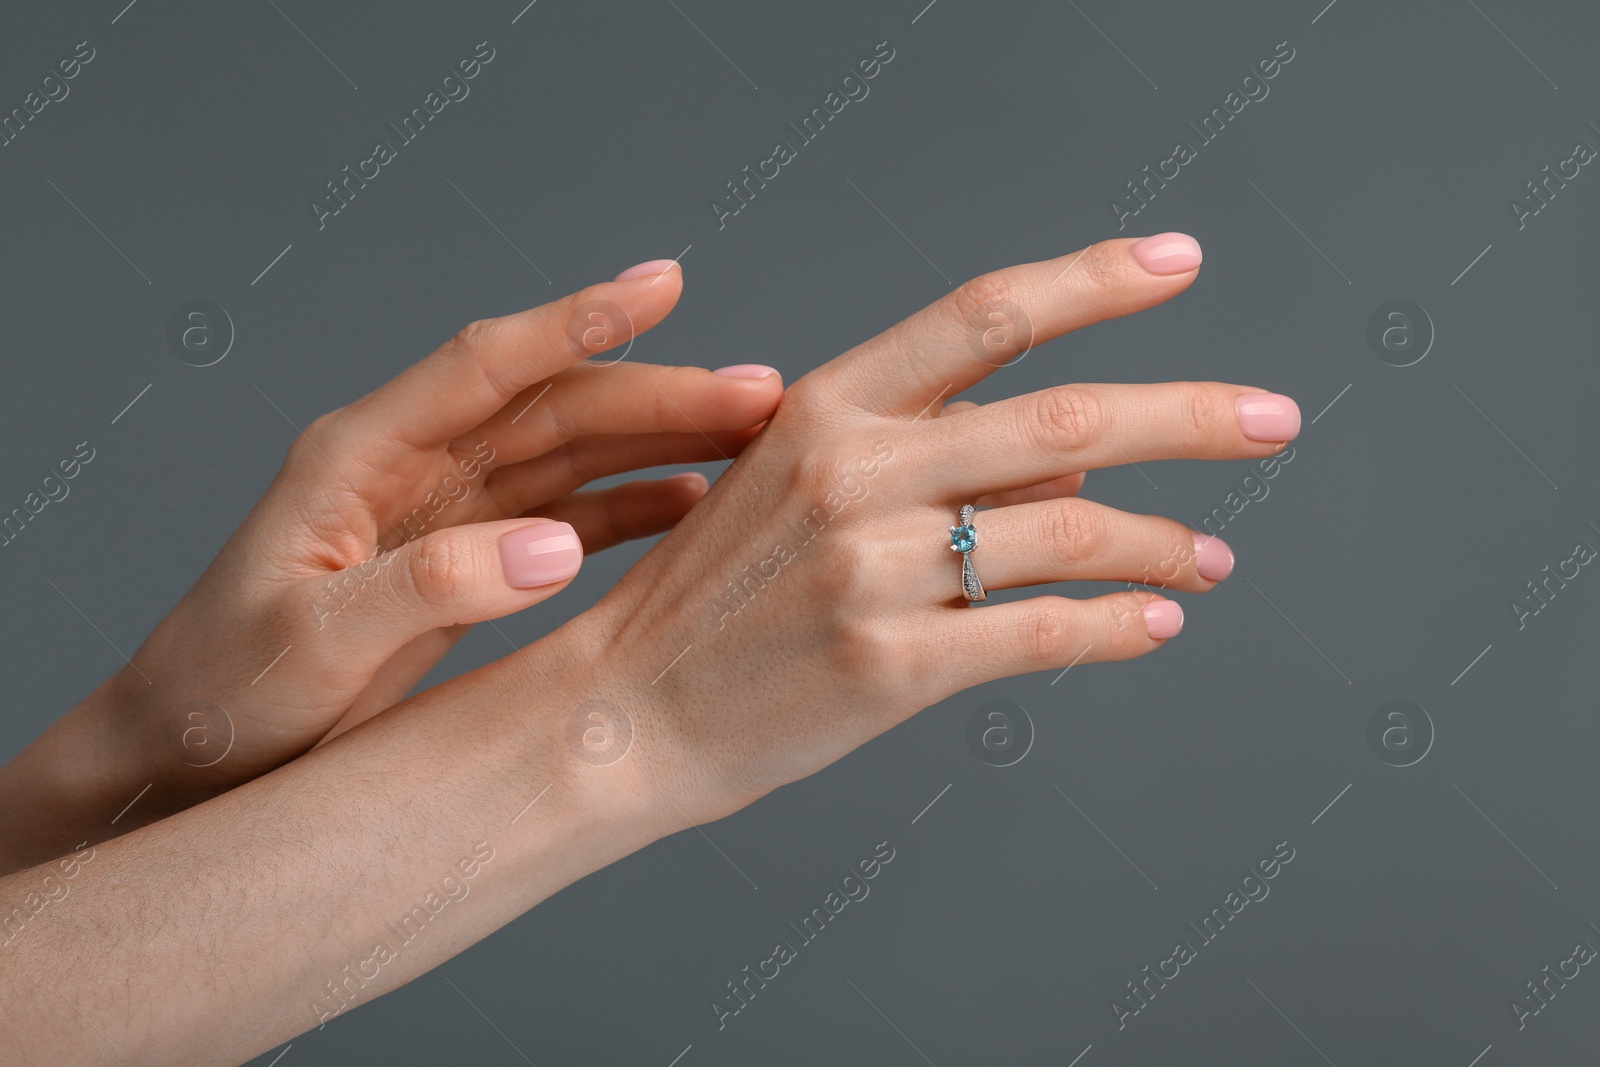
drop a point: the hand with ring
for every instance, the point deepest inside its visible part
(807, 603)
(811, 601)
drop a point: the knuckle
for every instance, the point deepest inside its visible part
(1070, 419)
(582, 464)
(479, 347)
(321, 434)
(1206, 409)
(819, 473)
(473, 336)
(440, 569)
(1045, 633)
(864, 647)
(978, 295)
(816, 400)
(1075, 531)
(1101, 268)
(870, 654)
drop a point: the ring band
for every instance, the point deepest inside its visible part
(963, 539)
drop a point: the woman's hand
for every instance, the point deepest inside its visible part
(807, 604)
(395, 523)
(812, 600)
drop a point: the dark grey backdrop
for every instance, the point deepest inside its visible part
(1380, 566)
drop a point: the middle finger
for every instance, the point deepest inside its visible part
(1024, 440)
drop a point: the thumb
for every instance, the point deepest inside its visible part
(461, 575)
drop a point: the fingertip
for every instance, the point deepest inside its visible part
(699, 482)
(649, 268)
(1213, 559)
(541, 554)
(1168, 253)
(1162, 619)
(1269, 417)
(749, 370)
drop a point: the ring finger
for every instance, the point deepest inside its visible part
(1074, 539)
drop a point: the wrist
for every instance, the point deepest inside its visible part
(629, 738)
(601, 738)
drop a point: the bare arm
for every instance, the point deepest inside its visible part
(807, 604)
(395, 523)
(219, 932)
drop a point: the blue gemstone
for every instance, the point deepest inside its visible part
(963, 538)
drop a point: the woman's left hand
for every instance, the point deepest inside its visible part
(446, 497)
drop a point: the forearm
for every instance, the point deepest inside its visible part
(78, 781)
(236, 924)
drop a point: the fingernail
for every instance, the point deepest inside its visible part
(654, 266)
(1168, 253)
(745, 370)
(1268, 417)
(1212, 557)
(1163, 619)
(693, 477)
(540, 554)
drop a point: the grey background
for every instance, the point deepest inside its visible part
(1383, 560)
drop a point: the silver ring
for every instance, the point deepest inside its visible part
(963, 539)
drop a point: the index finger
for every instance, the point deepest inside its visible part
(989, 321)
(479, 370)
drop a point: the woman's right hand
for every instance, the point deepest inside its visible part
(811, 601)
(668, 701)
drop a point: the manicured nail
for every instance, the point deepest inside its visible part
(1168, 253)
(745, 370)
(1212, 557)
(539, 555)
(654, 266)
(1163, 619)
(692, 477)
(1268, 417)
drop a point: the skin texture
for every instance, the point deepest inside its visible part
(672, 701)
(863, 626)
(375, 548)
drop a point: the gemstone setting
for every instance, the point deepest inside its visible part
(963, 538)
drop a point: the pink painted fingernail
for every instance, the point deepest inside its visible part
(1168, 253)
(1212, 557)
(745, 370)
(1163, 619)
(540, 554)
(654, 266)
(1268, 417)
